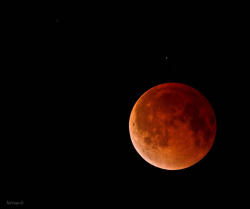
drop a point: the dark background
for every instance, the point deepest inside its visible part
(66, 137)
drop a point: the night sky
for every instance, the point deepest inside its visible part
(100, 63)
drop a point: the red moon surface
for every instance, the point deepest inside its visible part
(172, 126)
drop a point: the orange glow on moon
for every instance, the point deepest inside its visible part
(172, 126)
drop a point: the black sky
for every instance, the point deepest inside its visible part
(100, 62)
(105, 64)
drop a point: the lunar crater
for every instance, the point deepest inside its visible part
(147, 140)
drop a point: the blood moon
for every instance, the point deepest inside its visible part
(172, 126)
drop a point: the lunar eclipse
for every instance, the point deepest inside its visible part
(172, 126)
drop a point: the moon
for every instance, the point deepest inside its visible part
(172, 126)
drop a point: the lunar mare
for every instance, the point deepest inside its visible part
(172, 126)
